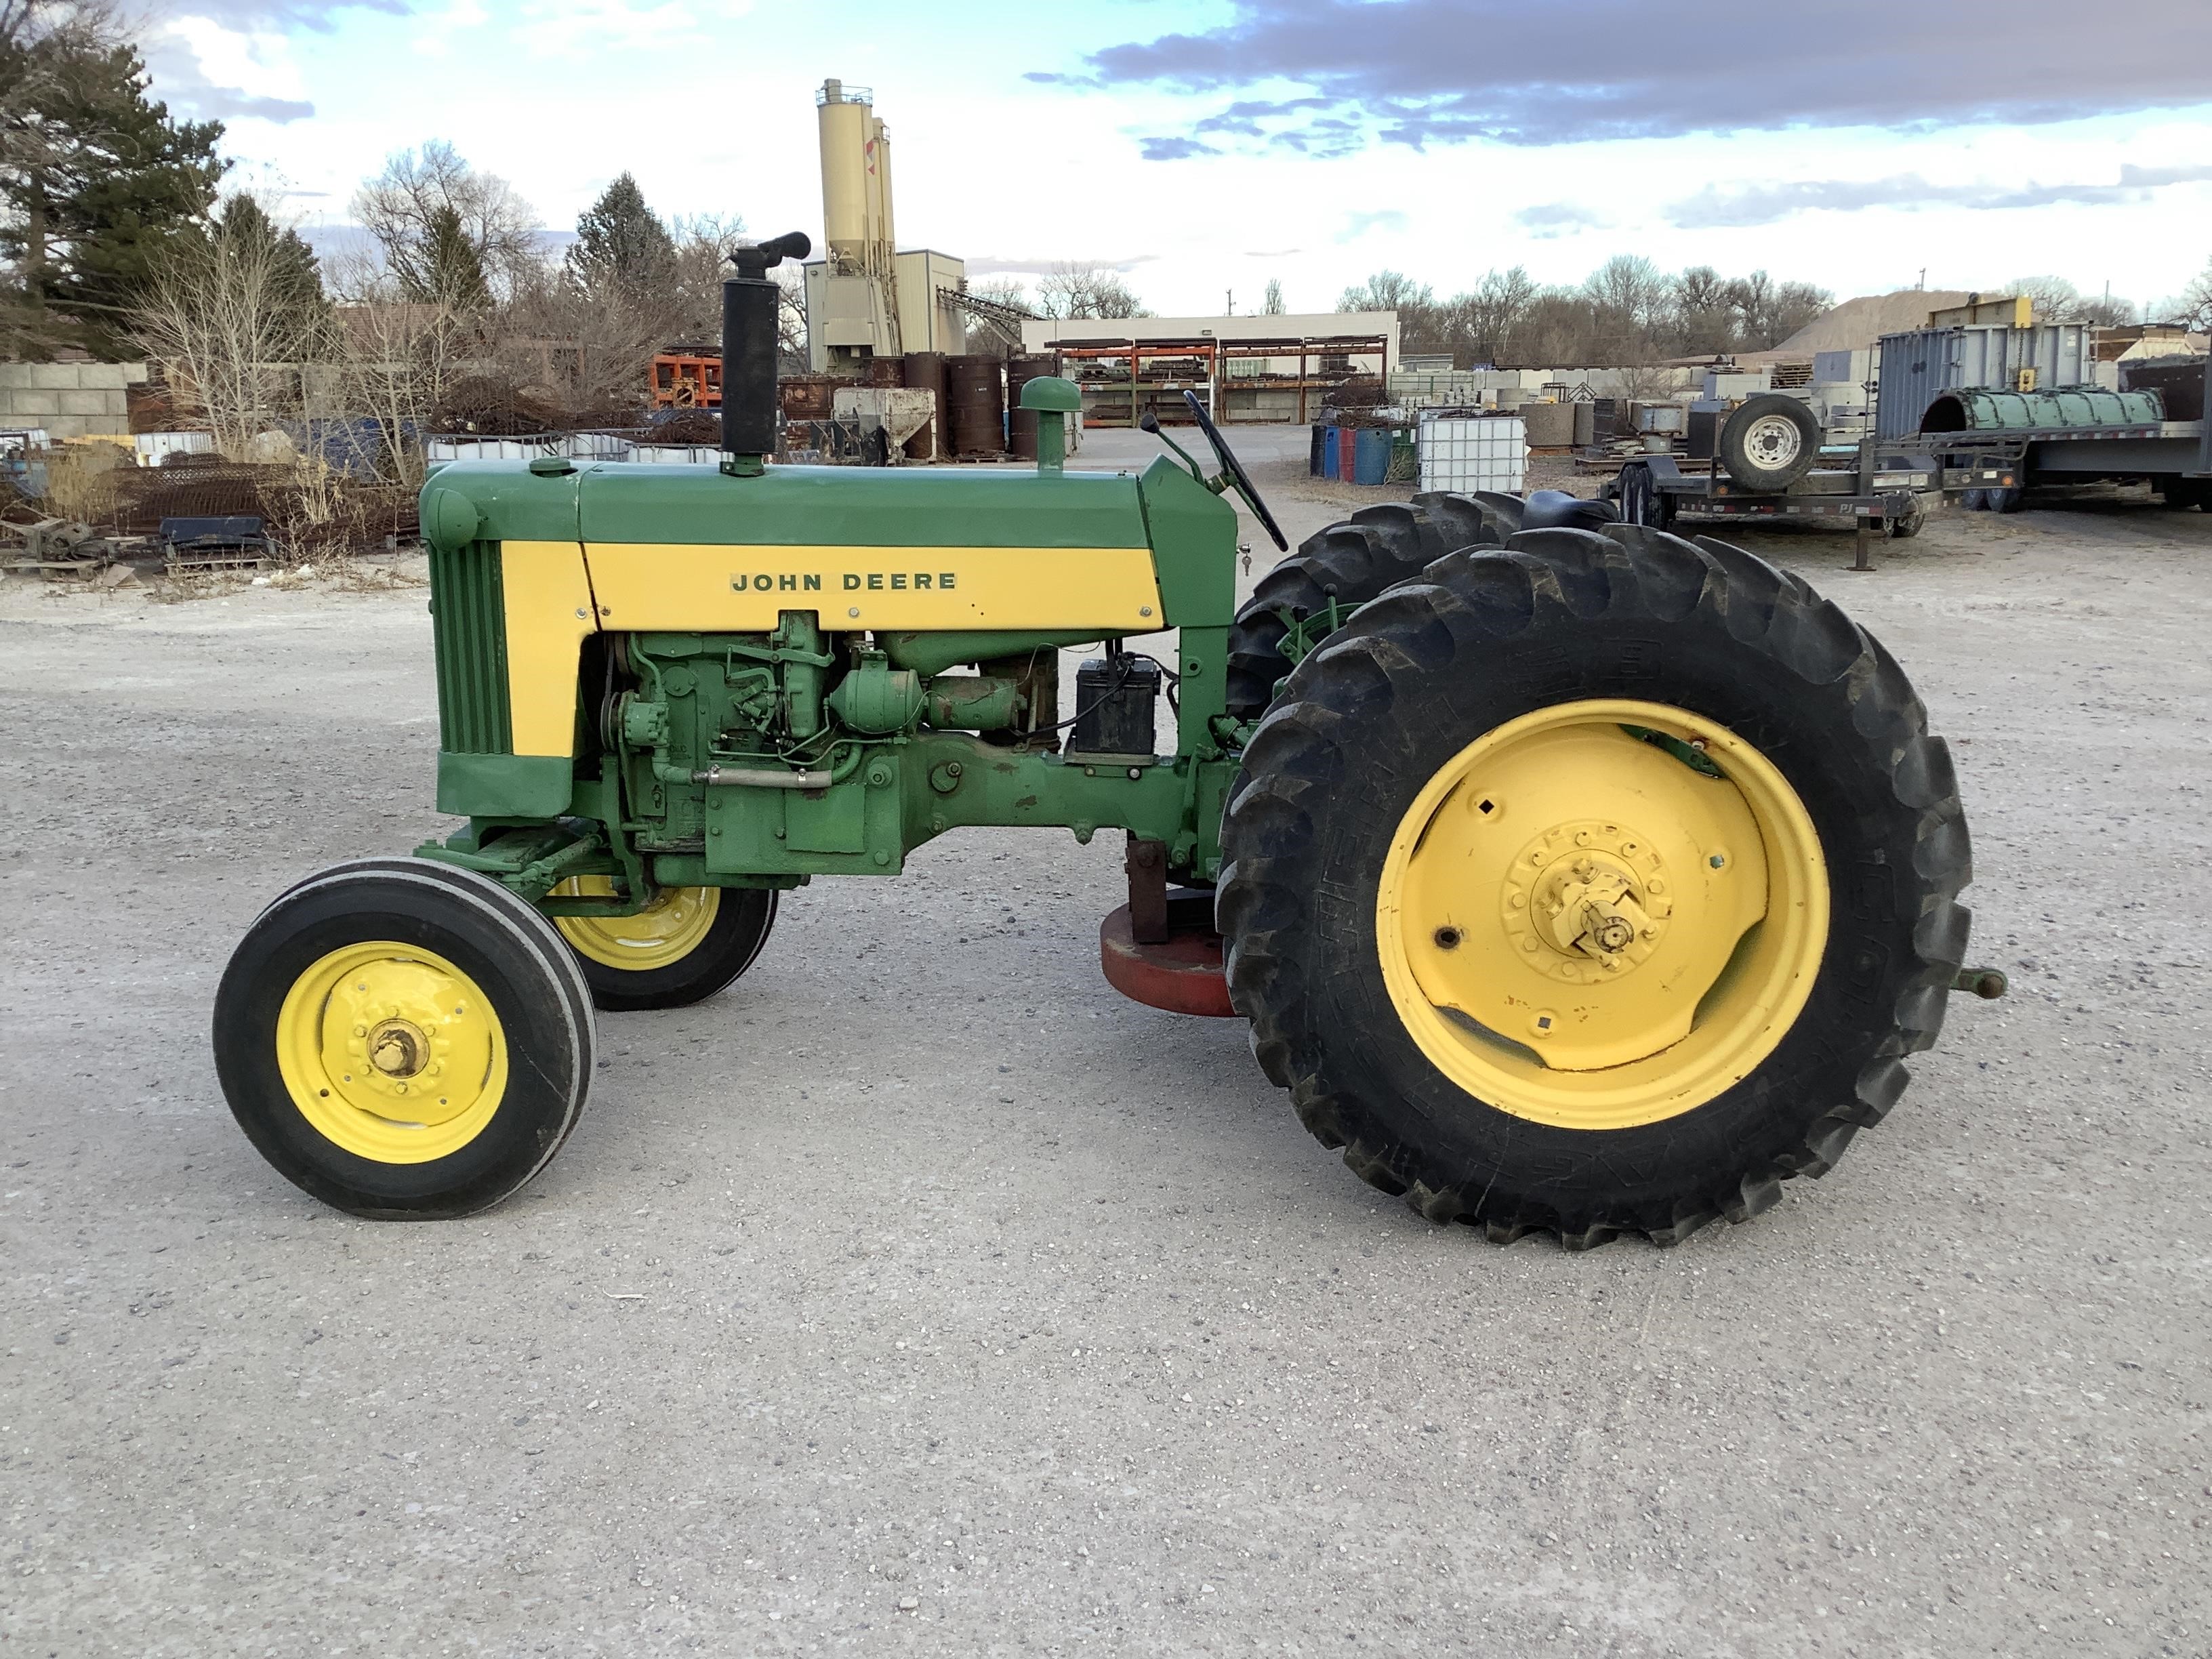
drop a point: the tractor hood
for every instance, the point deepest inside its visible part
(784, 506)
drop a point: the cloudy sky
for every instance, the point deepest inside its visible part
(1209, 145)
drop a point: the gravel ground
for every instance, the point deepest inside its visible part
(920, 1295)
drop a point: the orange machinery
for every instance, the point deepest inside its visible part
(683, 379)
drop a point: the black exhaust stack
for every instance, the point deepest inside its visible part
(749, 299)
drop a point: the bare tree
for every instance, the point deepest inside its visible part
(2193, 306)
(1703, 321)
(397, 358)
(1271, 305)
(1486, 319)
(1387, 290)
(1074, 288)
(2057, 300)
(228, 316)
(422, 201)
(582, 352)
(703, 246)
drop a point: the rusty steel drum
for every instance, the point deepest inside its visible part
(807, 397)
(976, 406)
(1022, 424)
(924, 372)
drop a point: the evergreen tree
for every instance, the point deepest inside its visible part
(295, 277)
(452, 273)
(95, 177)
(623, 251)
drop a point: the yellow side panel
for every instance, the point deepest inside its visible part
(548, 612)
(698, 588)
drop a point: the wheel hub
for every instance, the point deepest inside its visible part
(1772, 442)
(399, 1048)
(391, 1051)
(399, 1021)
(1584, 901)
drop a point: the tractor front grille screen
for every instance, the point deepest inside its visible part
(471, 631)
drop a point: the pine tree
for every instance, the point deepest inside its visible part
(623, 251)
(295, 277)
(95, 176)
(453, 269)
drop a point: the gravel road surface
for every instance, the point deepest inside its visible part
(921, 1295)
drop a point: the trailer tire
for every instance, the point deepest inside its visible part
(1642, 501)
(1910, 525)
(2006, 500)
(1390, 740)
(1770, 442)
(1974, 501)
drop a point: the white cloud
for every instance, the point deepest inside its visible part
(580, 29)
(435, 29)
(209, 69)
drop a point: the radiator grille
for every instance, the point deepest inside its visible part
(469, 625)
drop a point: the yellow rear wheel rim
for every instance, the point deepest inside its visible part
(391, 1052)
(1579, 926)
(662, 934)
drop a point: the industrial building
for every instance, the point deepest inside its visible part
(864, 298)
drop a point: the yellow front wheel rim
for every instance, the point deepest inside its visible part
(662, 934)
(1582, 925)
(391, 1052)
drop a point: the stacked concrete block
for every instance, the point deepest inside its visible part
(70, 400)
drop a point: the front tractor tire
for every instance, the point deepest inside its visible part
(1594, 886)
(683, 948)
(403, 1040)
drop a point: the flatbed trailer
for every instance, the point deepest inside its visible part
(1877, 489)
(1997, 463)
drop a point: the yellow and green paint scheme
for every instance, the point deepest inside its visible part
(623, 651)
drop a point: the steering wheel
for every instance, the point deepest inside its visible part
(1233, 470)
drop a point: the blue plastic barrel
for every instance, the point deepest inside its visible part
(1370, 456)
(1328, 441)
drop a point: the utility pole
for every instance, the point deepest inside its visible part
(1230, 302)
(1923, 277)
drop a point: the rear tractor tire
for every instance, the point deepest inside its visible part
(403, 1041)
(688, 944)
(1594, 886)
(1351, 563)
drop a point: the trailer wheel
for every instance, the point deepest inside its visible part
(1769, 443)
(2006, 500)
(688, 944)
(1910, 525)
(1974, 501)
(404, 1042)
(1642, 501)
(1594, 886)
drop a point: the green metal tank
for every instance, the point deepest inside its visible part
(1979, 410)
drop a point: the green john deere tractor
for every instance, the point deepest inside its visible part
(1572, 875)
